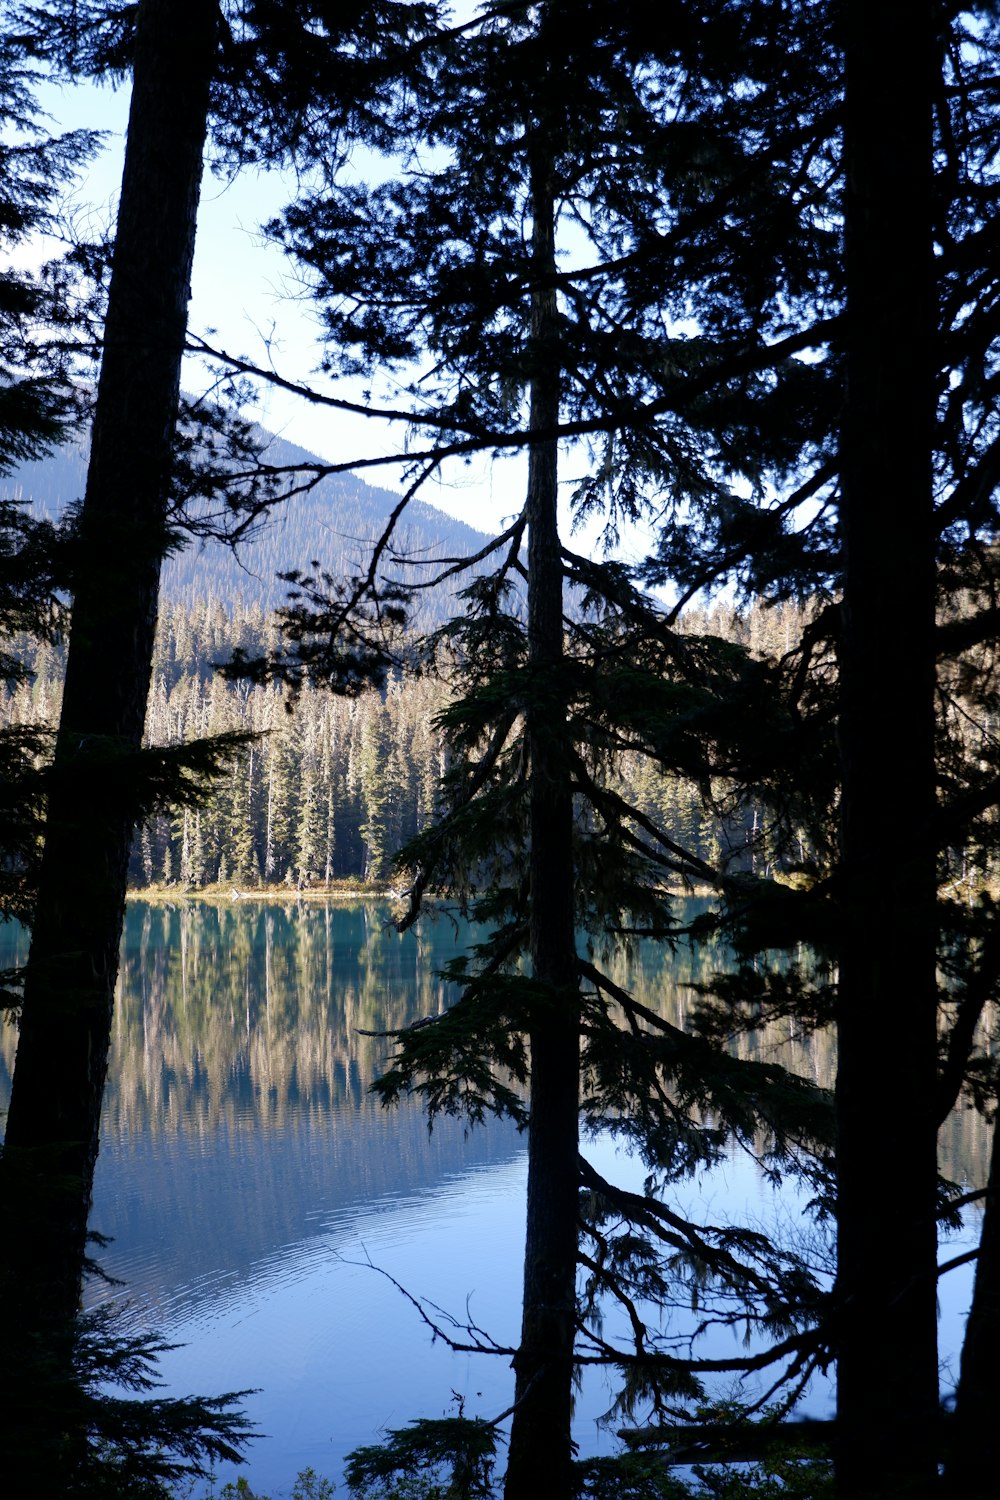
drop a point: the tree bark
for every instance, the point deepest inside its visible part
(887, 1396)
(540, 1457)
(53, 1124)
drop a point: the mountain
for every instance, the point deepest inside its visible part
(335, 524)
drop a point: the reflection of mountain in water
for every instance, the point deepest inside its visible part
(237, 1117)
(196, 1211)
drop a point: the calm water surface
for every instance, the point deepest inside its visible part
(258, 1198)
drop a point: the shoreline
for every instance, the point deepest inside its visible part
(232, 894)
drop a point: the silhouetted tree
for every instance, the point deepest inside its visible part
(38, 403)
(540, 116)
(96, 787)
(887, 991)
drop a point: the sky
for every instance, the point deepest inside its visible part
(247, 300)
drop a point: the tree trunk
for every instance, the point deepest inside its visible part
(973, 1462)
(887, 1398)
(53, 1124)
(540, 1458)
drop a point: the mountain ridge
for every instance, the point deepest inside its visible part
(333, 523)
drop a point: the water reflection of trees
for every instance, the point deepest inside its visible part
(249, 1015)
(665, 981)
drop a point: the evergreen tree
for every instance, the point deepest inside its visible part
(62, 1433)
(741, 233)
(122, 537)
(581, 122)
(38, 403)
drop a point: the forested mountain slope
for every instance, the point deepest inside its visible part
(332, 789)
(334, 523)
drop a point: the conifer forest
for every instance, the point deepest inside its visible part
(329, 793)
(708, 291)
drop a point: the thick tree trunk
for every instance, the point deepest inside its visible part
(52, 1128)
(540, 1458)
(887, 1396)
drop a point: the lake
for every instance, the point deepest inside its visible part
(255, 1193)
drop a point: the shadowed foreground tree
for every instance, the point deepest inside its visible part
(887, 991)
(914, 702)
(95, 790)
(766, 167)
(61, 1430)
(544, 1361)
(37, 404)
(99, 781)
(534, 838)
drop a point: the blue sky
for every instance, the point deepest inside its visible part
(247, 299)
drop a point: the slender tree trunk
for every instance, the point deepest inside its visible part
(53, 1124)
(973, 1464)
(540, 1458)
(887, 1396)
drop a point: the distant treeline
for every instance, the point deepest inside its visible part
(331, 789)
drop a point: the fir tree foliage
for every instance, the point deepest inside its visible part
(699, 336)
(37, 397)
(453, 1456)
(60, 1427)
(628, 136)
(123, 1441)
(624, 228)
(38, 403)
